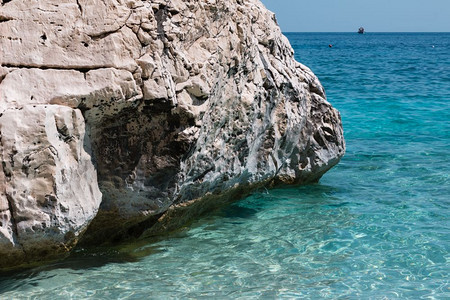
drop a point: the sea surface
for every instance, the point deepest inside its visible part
(375, 227)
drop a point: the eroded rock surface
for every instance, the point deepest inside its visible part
(48, 186)
(167, 107)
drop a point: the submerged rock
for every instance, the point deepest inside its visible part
(169, 108)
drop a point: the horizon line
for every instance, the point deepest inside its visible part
(366, 32)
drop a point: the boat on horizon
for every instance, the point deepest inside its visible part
(361, 30)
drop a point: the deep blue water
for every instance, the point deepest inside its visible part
(376, 226)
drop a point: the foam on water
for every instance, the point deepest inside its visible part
(376, 226)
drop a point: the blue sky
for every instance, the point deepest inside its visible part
(374, 15)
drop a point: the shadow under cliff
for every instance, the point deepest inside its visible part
(84, 258)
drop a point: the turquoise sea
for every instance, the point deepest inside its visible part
(375, 227)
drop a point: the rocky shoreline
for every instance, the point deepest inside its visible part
(127, 119)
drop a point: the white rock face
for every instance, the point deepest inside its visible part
(174, 106)
(48, 187)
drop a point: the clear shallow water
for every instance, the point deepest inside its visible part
(376, 226)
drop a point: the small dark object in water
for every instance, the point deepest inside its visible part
(330, 45)
(361, 30)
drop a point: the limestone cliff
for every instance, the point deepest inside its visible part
(167, 107)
